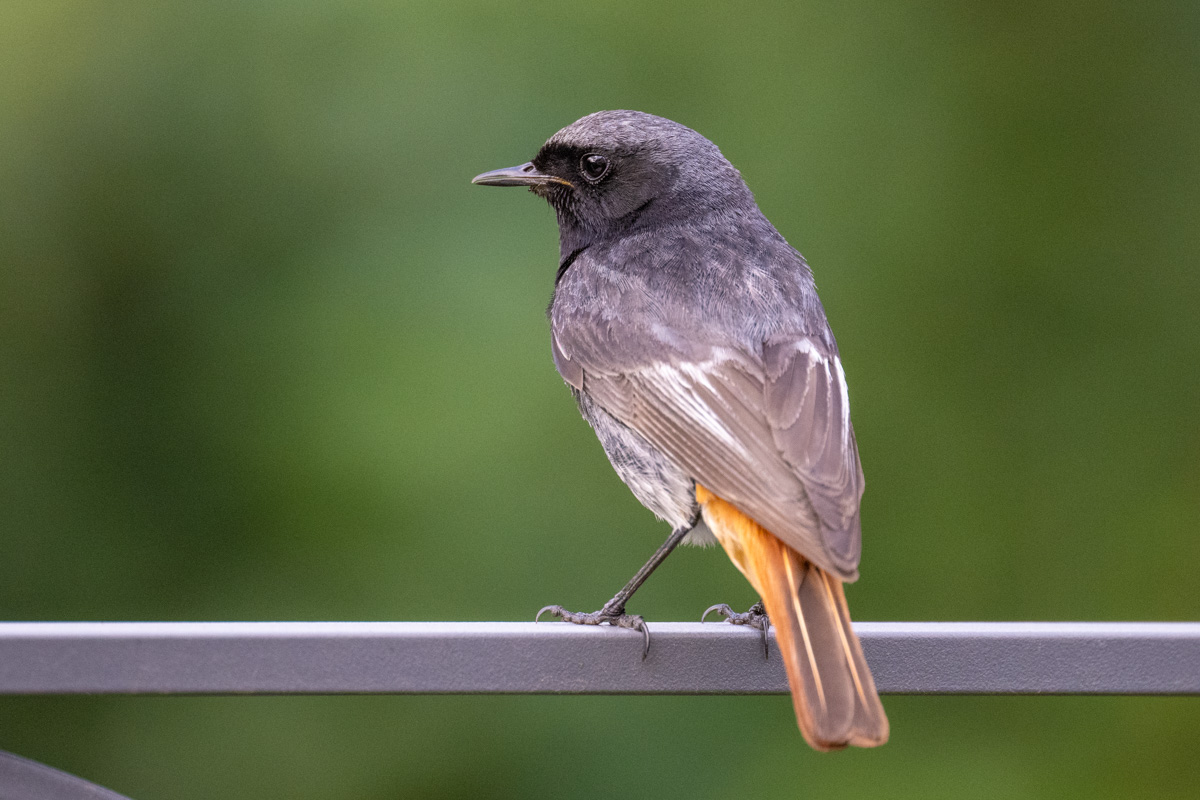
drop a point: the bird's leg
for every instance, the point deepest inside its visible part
(613, 611)
(756, 617)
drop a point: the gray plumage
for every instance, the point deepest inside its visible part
(693, 337)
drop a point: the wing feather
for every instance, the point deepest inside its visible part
(767, 431)
(808, 407)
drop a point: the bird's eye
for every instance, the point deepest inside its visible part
(593, 166)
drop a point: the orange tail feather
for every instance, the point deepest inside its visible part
(832, 689)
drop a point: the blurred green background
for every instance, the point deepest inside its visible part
(266, 354)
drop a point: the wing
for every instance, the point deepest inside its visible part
(768, 431)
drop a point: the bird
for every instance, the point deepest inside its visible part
(691, 336)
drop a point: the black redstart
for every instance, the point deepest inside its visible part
(692, 338)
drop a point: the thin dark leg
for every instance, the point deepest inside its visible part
(660, 555)
(613, 611)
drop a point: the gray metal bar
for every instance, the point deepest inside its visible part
(557, 658)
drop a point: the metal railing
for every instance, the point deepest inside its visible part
(1147, 658)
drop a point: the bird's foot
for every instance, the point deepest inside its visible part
(756, 617)
(612, 614)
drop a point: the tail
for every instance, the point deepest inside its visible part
(832, 690)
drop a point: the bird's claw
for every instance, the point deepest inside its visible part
(611, 615)
(721, 607)
(756, 617)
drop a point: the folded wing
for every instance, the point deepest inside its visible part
(768, 431)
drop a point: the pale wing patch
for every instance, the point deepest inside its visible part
(845, 392)
(679, 382)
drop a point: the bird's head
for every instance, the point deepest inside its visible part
(614, 173)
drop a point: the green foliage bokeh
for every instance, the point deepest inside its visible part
(266, 354)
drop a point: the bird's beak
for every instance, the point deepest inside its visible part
(524, 175)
